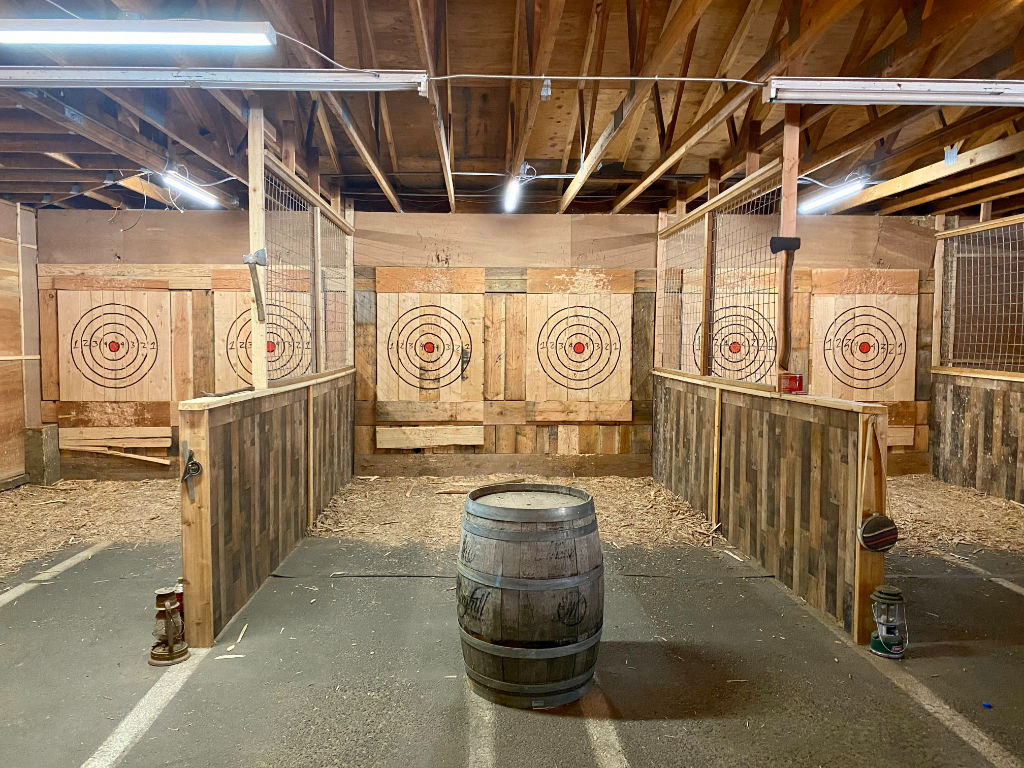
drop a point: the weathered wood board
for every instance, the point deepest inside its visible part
(114, 345)
(864, 334)
(579, 347)
(430, 347)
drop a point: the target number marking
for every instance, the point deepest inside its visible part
(429, 347)
(114, 346)
(743, 344)
(289, 344)
(578, 347)
(865, 347)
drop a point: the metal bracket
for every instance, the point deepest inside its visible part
(192, 470)
(257, 259)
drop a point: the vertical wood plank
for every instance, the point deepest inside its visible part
(257, 235)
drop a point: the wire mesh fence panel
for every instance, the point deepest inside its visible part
(682, 298)
(983, 300)
(334, 293)
(291, 320)
(743, 337)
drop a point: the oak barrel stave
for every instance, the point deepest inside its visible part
(530, 594)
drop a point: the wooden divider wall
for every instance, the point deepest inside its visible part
(978, 430)
(271, 461)
(788, 479)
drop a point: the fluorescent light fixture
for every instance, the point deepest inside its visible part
(512, 192)
(217, 78)
(180, 184)
(925, 91)
(833, 195)
(135, 32)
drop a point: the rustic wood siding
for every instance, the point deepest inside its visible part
(976, 431)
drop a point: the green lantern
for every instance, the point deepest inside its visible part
(889, 609)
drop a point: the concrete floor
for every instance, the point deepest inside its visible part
(705, 661)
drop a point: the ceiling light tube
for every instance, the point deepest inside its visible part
(136, 32)
(830, 196)
(894, 91)
(512, 191)
(216, 78)
(180, 184)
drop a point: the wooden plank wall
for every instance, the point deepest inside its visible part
(511, 260)
(785, 477)
(271, 462)
(19, 343)
(978, 432)
(176, 270)
(883, 267)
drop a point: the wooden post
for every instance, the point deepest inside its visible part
(310, 462)
(937, 296)
(708, 300)
(752, 153)
(716, 462)
(257, 237)
(350, 285)
(787, 228)
(986, 211)
(869, 568)
(659, 293)
(196, 533)
(316, 297)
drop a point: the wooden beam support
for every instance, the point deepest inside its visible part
(543, 18)
(257, 241)
(429, 23)
(787, 228)
(361, 17)
(674, 32)
(964, 182)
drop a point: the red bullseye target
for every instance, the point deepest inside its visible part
(865, 347)
(742, 344)
(578, 347)
(114, 346)
(289, 344)
(429, 347)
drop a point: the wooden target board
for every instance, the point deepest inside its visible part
(289, 339)
(579, 347)
(114, 345)
(863, 345)
(430, 347)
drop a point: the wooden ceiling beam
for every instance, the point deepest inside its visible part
(674, 32)
(542, 20)
(964, 182)
(53, 161)
(593, 49)
(677, 99)
(280, 14)
(69, 175)
(430, 19)
(361, 16)
(978, 197)
(930, 174)
(731, 52)
(803, 34)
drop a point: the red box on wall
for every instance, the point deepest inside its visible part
(791, 383)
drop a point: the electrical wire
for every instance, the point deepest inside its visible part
(145, 202)
(61, 7)
(325, 57)
(599, 78)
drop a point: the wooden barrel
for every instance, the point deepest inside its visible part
(530, 590)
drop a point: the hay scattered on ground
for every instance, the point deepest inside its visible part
(932, 514)
(397, 510)
(37, 520)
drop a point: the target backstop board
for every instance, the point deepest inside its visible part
(114, 345)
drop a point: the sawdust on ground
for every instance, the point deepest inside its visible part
(37, 520)
(428, 510)
(930, 514)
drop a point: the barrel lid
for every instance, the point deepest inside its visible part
(529, 502)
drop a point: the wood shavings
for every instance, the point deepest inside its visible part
(630, 511)
(37, 520)
(930, 513)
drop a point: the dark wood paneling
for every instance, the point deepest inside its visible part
(787, 494)
(976, 429)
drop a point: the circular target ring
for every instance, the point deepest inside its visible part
(864, 347)
(429, 347)
(114, 346)
(289, 344)
(578, 347)
(743, 344)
